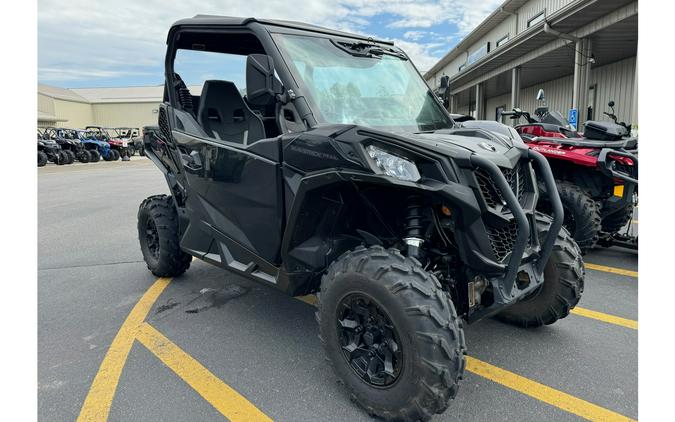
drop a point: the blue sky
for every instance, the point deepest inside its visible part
(84, 43)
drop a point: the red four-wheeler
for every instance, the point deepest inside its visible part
(596, 173)
(127, 135)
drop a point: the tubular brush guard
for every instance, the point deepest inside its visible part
(505, 289)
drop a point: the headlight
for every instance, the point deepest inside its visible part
(393, 165)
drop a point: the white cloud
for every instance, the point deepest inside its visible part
(414, 35)
(89, 40)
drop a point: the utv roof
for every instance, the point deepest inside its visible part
(214, 20)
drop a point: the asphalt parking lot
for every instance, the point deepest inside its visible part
(211, 345)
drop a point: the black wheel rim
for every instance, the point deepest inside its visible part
(152, 238)
(369, 341)
(569, 222)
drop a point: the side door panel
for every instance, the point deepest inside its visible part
(234, 191)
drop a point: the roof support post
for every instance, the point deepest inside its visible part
(515, 87)
(480, 101)
(634, 116)
(582, 75)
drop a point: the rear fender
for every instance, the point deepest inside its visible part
(159, 149)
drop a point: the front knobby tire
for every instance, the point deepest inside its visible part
(42, 159)
(429, 345)
(582, 215)
(159, 236)
(563, 283)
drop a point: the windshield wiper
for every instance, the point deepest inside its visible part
(364, 49)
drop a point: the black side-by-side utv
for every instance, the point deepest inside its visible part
(49, 151)
(70, 143)
(340, 173)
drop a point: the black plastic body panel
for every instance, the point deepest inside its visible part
(271, 210)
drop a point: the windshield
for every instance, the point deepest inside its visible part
(358, 83)
(124, 132)
(556, 118)
(113, 132)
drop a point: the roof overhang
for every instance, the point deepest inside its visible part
(508, 8)
(580, 19)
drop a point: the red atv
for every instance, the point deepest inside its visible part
(596, 173)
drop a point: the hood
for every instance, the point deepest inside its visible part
(459, 144)
(464, 142)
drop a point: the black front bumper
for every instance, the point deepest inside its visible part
(504, 287)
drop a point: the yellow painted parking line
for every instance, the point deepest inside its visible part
(99, 399)
(543, 392)
(222, 397)
(309, 299)
(534, 389)
(610, 319)
(612, 270)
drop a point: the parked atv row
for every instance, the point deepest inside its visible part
(64, 145)
(596, 173)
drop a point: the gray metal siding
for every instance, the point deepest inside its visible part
(491, 105)
(558, 95)
(615, 82)
(534, 7)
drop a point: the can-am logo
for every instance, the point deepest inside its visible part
(488, 147)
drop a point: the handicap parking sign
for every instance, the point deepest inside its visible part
(572, 118)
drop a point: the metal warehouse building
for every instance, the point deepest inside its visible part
(113, 107)
(583, 53)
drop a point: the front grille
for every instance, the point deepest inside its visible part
(492, 194)
(502, 239)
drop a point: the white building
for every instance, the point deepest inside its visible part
(583, 53)
(111, 107)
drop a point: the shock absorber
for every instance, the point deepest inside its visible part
(414, 226)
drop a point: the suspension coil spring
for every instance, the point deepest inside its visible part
(414, 218)
(414, 225)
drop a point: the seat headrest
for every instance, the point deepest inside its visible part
(215, 88)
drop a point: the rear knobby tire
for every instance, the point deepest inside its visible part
(61, 158)
(83, 156)
(161, 249)
(71, 156)
(115, 154)
(431, 334)
(582, 215)
(95, 156)
(563, 283)
(42, 159)
(618, 220)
